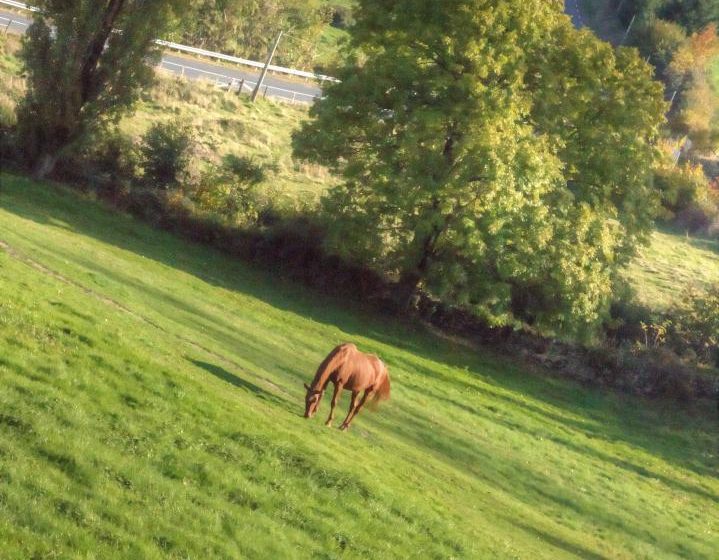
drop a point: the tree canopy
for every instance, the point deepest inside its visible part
(492, 155)
(690, 14)
(86, 62)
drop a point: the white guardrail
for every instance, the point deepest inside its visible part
(209, 54)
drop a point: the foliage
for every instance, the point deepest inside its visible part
(690, 14)
(681, 186)
(342, 17)
(484, 164)
(115, 154)
(151, 400)
(229, 190)
(248, 28)
(659, 40)
(81, 74)
(696, 322)
(165, 153)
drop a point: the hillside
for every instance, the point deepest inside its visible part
(151, 407)
(671, 264)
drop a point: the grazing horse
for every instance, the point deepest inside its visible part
(350, 369)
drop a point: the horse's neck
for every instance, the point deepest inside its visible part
(321, 379)
(329, 365)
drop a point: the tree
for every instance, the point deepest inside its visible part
(690, 14)
(83, 71)
(689, 74)
(166, 152)
(484, 163)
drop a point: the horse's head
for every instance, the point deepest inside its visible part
(312, 401)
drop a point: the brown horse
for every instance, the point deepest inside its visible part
(350, 369)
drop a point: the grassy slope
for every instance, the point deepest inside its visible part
(671, 264)
(226, 123)
(151, 399)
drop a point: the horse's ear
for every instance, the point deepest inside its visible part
(306, 386)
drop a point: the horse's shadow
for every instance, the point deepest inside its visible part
(232, 379)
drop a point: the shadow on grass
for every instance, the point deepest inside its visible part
(656, 431)
(232, 379)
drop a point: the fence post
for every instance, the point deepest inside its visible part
(294, 94)
(9, 23)
(264, 96)
(242, 85)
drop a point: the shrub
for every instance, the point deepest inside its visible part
(684, 188)
(342, 17)
(113, 154)
(165, 153)
(659, 39)
(229, 190)
(696, 321)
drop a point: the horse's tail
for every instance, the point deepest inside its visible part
(382, 394)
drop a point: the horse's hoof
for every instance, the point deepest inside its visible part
(343, 427)
(328, 424)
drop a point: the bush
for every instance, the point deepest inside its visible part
(165, 153)
(684, 189)
(696, 321)
(229, 190)
(659, 39)
(342, 17)
(113, 154)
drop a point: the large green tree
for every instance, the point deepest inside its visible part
(491, 154)
(86, 61)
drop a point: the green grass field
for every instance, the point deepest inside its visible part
(672, 263)
(151, 407)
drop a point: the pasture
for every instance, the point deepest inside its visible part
(151, 407)
(673, 262)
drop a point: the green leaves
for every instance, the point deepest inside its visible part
(485, 164)
(83, 74)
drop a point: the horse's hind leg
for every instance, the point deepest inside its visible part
(335, 398)
(355, 412)
(350, 412)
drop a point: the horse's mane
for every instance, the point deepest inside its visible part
(335, 359)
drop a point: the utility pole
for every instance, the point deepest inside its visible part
(629, 28)
(267, 65)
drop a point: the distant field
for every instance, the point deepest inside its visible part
(670, 265)
(151, 400)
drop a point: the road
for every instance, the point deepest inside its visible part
(194, 69)
(573, 10)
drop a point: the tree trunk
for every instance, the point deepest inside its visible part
(44, 166)
(407, 292)
(96, 47)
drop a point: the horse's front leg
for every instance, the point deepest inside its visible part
(335, 398)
